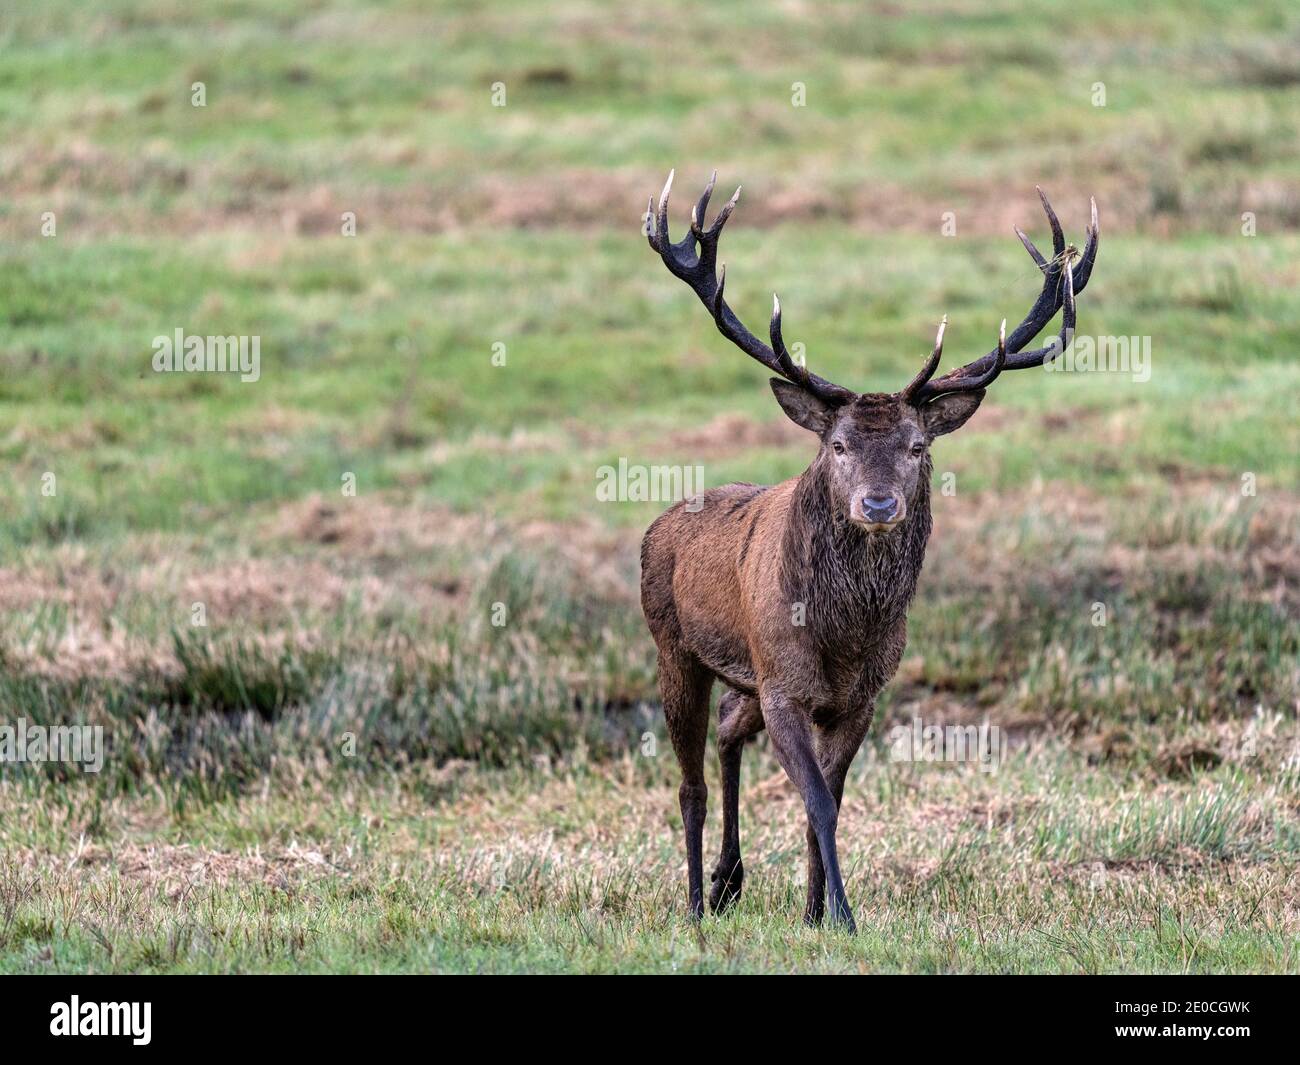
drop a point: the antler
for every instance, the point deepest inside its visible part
(1060, 284)
(697, 270)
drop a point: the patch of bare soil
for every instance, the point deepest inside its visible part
(71, 577)
(368, 526)
(89, 648)
(517, 442)
(375, 529)
(256, 589)
(731, 434)
(581, 198)
(177, 869)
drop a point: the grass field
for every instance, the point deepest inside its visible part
(347, 765)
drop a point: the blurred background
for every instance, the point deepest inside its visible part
(361, 632)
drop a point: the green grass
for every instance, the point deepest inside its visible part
(350, 766)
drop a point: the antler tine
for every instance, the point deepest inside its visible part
(789, 368)
(1062, 281)
(725, 213)
(930, 365)
(1084, 271)
(697, 212)
(1058, 235)
(708, 238)
(1029, 247)
(950, 383)
(661, 219)
(694, 258)
(987, 378)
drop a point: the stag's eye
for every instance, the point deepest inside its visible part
(837, 447)
(918, 449)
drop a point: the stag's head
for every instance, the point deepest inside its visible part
(875, 446)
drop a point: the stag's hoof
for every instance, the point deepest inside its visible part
(842, 919)
(728, 878)
(814, 916)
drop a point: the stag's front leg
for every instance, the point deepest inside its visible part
(837, 746)
(791, 731)
(738, 719)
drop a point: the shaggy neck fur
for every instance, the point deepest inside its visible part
(852, 583)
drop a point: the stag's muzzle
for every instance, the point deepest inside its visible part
(875, 511)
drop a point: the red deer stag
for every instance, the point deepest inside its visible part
(795, 596)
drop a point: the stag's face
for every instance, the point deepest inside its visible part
(873, 453)
(875, 449)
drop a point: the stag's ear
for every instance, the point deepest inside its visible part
(802, 408)
(948, 413)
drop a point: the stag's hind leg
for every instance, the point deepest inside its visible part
(684, 685)
(738, 719)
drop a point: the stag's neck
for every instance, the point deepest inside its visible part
(851, 582)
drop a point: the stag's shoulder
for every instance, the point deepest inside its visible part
(704, 510)
(718, 523)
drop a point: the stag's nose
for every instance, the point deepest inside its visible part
(879, 509)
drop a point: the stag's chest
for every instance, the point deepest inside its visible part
(854, 663)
